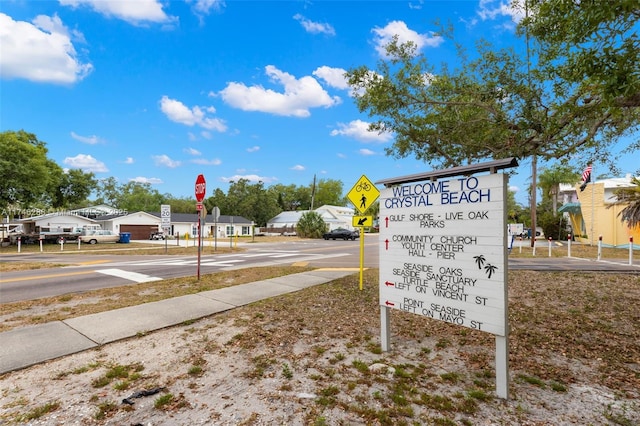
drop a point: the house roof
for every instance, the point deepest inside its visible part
(288, 216)
(193, 217)
(51, 215)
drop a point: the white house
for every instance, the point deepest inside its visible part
(225, 226)
(333, 216)
(140, 224)
(63, 221)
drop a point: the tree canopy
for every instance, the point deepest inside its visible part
(31, 179)
(549, 181)
(593, 44)
(494, 106)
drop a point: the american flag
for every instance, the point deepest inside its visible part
(586, 175)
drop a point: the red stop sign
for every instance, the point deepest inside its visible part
(201, 188)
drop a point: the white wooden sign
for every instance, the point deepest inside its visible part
(443, 251)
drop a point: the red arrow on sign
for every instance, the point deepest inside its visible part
(389, 283)
(389, 303)
(201, 188)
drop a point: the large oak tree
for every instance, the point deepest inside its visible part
(544, 100)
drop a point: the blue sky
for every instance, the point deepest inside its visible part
(161, 91)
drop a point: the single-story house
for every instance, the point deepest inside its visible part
(139, 224)
(142, 224)
(225, 226)
(333, 216)
(64, 221)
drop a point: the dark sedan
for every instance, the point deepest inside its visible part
(341, 233)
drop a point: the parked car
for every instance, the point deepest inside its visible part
(100, 236)
(341, 233)
(157, 236)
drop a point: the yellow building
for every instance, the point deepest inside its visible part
(593, 214)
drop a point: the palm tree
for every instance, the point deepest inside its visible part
(631, 197)
(551, 178)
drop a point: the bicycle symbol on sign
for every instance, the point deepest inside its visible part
(363, 186)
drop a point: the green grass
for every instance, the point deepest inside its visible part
(39, 411)
(163, 400)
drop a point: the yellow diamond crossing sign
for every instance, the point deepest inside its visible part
(363, 194)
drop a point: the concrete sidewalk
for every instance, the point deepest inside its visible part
(23, 347)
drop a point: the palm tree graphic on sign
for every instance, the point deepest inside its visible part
(490, 269)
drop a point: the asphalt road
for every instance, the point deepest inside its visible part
(91, 272)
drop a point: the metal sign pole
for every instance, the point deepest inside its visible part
(199, 241)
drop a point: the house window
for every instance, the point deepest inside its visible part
(230, 230)
(194, 230)
(246, 230)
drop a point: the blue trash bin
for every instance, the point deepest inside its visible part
(125, 237)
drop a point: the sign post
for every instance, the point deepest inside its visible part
(215, 212)
(362, 195)
(443, 252)
(165, 222)
(200, 191)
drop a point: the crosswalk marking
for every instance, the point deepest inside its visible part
(131, 276)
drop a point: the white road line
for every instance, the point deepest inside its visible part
(131, 276)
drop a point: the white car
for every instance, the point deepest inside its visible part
(100, 236)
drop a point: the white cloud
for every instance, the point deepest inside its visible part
(205, 162)
(129, 160)
(366, 152)
(358, 129)
(341, 155)
(86, 163)
(514, 188)
(298, 168)
(492, 9)
(333, 76)
(314, 27)
(299, 95)
(399, 28)
(178, 112)
(91, 140)
(141, 179)
(253, 149)
(250, 178)
(42, 52)
(192, 151)
(164, 160)
(134, 12)
(204, 7)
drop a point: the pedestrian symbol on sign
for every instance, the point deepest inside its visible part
(363, 194)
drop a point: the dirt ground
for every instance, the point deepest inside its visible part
(313, 358)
